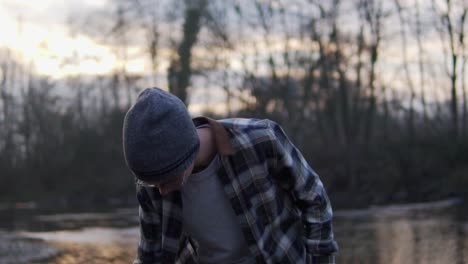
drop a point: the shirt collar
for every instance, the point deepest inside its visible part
(222, 138)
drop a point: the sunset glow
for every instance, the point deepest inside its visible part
(50, 48)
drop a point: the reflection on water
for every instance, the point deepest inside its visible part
(116, 253)
(432, 234)
(439, 245)
(90, 235)
(418, 233)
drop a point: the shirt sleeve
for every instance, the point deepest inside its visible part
(150, 215)
(309, 195)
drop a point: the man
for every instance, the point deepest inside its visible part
(227, 191)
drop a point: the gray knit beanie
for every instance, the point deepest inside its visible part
(159, 137)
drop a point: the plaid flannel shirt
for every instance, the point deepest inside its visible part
(279, 200)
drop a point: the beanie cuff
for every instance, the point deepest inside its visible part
(171, 170)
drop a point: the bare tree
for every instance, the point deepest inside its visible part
(409, 79)
(180, 70)
(8, 70)
(461, 40)
(372, 13)
(421, 63)
(451, 25)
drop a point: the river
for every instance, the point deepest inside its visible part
(397, 234)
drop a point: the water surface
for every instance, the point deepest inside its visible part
(413, 233)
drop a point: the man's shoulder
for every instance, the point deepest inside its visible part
(240, 124)
(249, 132)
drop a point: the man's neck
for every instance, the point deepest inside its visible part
(207, 149)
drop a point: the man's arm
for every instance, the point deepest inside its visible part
(150, 215)
(309, 194)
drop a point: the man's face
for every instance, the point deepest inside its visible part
(175, 183)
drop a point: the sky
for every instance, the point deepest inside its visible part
(39, 35)
(38, 32)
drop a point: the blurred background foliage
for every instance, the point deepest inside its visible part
(372, 92)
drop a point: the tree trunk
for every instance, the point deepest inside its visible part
(180, 70)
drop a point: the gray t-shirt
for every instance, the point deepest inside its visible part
(209, 219)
